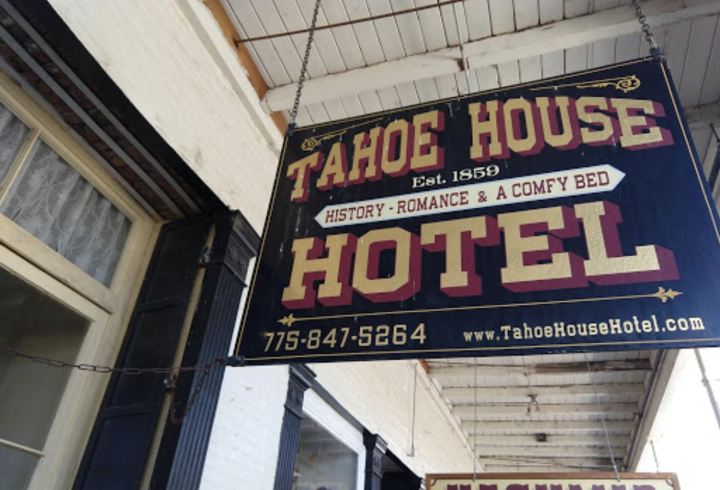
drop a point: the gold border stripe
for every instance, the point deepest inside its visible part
(690, 152)
(482, 349)
(478, 307)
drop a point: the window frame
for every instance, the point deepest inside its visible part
(111, 307)
(77, 381)
(43, 126)
(320, 411)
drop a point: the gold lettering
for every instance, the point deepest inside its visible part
(485, 129)
(426, 154)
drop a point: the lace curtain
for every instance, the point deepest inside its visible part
(12, 135)
(57, 205)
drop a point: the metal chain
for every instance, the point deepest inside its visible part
(649, 37)
(199, 385)
(171, 373)
(303, 69)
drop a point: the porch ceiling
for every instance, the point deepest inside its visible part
(549, 412)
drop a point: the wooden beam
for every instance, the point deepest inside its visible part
(552, 440)
(547, 452)
(424, 365)
(469, 371)
(548, 427)
(494, 50)
(468, 412)
(507, 467)
(521, 465)
(576, 393)
(567, 463)
(700, 116)
(246, 61)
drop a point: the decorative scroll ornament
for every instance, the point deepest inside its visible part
(312, 142)
(624, 84)
(665, 294)
(287, 320)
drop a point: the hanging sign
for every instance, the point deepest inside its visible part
(556, 481)
(561, 215)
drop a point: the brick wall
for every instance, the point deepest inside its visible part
(245, 438)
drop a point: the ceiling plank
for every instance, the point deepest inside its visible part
(485, 370)
(468, 412)
(548, 427)
(602, 392)
(591, 440)
(547, 452)
(703, 115)
(562, 462)
(508, 467)
(563, 34)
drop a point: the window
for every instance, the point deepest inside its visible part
(74, 247)
(53, 202)
(331, 454)
(35, 323)
(323, 462)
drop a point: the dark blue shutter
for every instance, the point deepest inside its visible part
(118, 448)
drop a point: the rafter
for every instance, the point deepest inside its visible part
(548, 427)
(484, 370)
(468, 412)
(702, 115)
(601, 392)
(547, 451)
(589, 440)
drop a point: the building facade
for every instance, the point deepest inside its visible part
(136, 163)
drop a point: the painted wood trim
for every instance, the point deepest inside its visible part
(246, 61)
(375, 448)
(209, 338)
(301, 378)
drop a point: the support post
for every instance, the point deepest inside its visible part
(375, 448)
(301, 378)
(181, 455)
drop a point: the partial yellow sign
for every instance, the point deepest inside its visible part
(557, 481)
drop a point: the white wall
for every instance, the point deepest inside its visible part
(245, 438)
(685, 432)
(173, 63)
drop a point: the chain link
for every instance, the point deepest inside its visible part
(171, 373)
(176, 418)
(649, 37)
(303, 69)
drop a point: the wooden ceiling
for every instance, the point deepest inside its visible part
(551, 412)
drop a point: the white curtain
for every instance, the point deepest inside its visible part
(12, 135)
(58, 206)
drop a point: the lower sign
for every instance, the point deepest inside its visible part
(558, 481)
(568, 214)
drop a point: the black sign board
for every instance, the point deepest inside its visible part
(561, 215)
